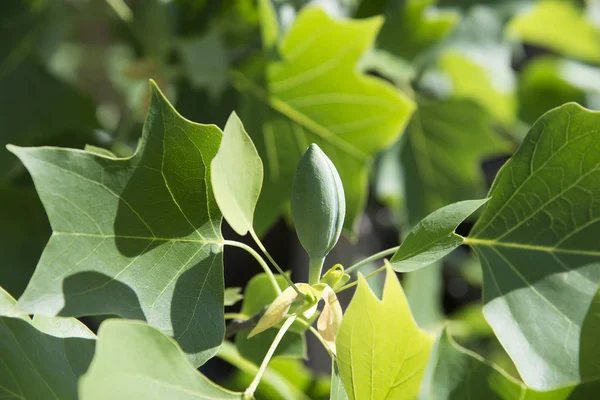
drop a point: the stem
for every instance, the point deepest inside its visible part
(374, 257)
(317, 335)
(249, 393)
(258, 258)
(277, 267)
(315, 266)
(121, 9)
(348, 286)
(242, 317)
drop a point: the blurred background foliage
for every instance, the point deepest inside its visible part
(75, 72)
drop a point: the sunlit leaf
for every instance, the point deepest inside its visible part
(381, 352)
(314, 95)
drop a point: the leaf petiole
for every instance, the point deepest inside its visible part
(258, 258)
(371, 258)
(272, 260)
(318, 336)
(348, 286)
(249, 393)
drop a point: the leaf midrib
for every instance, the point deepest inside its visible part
(133, 237)
(243, 83)
(531, 247)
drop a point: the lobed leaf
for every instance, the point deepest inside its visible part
(41, 358)
(537, 243)
(313, 94)
(137, 237)
(381, 352)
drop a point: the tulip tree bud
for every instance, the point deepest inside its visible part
(318, 207)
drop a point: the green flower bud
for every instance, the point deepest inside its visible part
(318, 203)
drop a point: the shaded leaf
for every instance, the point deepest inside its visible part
(314, 95)
(381, 353)
(444, 146)
(43, 358)
(537, 243)
(413, 27)
(462, 374)
(136, 361)
(137, 237)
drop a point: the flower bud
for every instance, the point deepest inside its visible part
(318, 203)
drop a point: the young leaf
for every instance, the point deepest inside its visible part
(314, 95)
(381, 352)
(461, 374)
(337, 391)
(560, 26)
(135, 361)
(237, 175)
(537, 243)
(433, 237)
(43, 358)
(232, 295)
(444, 146)
(137, 237)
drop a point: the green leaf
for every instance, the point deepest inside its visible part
(43, 358)
(337, 386)
(424, 291)
(137, 237)
(462, 374)
(444, 146)
(548, 82)
(536, 241)
(414, 27)
(484, 78)
(237, 175)
(202, 70)
(258, 294)
(433, 237)
(233, 295)
(560, 26)
(314, 95)
(135, 361)
(381, 352)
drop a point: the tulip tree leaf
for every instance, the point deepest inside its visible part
(43, 358)
(462, 374)
(484, 78)
(136, 361)
(259, 293)
(138, 237)
(381, 352)
(537, 241)
(237, 174)
(444, 146)
(560, 26)
(433, 237)
(414, 27)
(314, 94)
